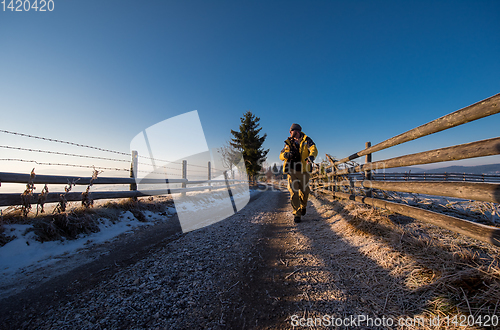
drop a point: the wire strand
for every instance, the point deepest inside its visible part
(84, 156)
(63, 153)
(65, 142)
(61, 164)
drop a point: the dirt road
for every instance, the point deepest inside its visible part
(254, 270)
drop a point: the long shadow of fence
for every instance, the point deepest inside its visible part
(449, 278)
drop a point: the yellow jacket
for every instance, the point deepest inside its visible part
(306, 148)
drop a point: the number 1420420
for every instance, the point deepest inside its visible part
(27, 5)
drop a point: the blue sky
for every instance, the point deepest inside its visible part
(100, 72)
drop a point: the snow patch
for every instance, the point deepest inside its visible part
(25, 253)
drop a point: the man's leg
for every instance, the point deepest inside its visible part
(295, 190)
(304, 192)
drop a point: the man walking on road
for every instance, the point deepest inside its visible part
(298, 156)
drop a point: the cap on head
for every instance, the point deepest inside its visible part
(295, 127)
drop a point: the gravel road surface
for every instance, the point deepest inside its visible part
(254, 270)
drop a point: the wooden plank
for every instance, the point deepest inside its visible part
(463, 151)
(212, 181)
(324, 191)
(15, 198)
(330, 159)
(478, 191)
(471, 229)
(440, 175)
(57, 179)
(481, 109)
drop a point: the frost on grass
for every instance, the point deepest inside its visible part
(478, 211)
(28, 194)
(79, 220)
(436, 272)
(37, 241)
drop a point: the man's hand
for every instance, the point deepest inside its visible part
(287, 155)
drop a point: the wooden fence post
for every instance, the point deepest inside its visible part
(368, 174)
(184, 176)
(209, 176)
(332, 181)
(133, 171)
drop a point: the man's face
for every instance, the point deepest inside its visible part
(295, 134)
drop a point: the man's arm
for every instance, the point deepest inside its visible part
(313, 151)
(285, 153)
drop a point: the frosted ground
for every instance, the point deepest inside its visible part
(24, 255)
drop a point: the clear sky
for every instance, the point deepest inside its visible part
(100, 72)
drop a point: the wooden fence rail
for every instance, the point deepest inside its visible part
(436, 177)
(487, 192)
(463, 151)
(9, 199)
(406, 176)
(329, 179)
(61, 179)
(481, 109)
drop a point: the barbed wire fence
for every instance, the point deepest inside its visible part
(87, 156)
(152, 168)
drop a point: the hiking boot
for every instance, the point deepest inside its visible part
(303, 211)
(296, 219)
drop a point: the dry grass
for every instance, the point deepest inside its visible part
(64, 225)
(79, 219)
(435, 271)
(28, 194)
(4, 239)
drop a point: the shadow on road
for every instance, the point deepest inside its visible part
(386, 273)
(308, 271)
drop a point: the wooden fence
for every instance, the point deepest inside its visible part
(445, 176)
(9, 199)
(338, 173)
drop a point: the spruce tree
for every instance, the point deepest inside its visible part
(276, 171)
(248, 141)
